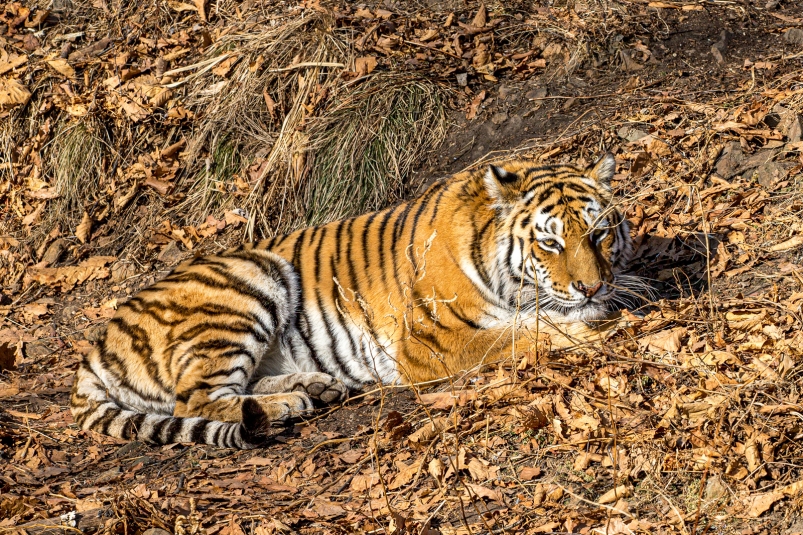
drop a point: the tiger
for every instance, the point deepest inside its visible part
(229, 345)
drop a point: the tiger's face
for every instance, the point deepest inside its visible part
(561, 240)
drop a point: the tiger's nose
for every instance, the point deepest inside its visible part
(587, 291)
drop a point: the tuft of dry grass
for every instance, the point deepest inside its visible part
(301, 136)
(76, 161)
(365, 146)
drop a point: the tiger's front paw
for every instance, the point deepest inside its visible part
(280, 408)
(322, 387)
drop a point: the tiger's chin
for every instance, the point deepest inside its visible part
(588, 311)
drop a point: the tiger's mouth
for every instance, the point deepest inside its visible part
(585, 309)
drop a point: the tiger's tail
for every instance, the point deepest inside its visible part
(92, 408)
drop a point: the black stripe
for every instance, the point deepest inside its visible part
(579, 188)
(109, 358)
(365, 253)
(460, 316)
(233, 327)
(547, 208)
(275, 242)
(172, 430)
(139, 339)
(238, 285)
(102, 425)
(509, 256)
(216, 437)
(430, 340)
(317, 256)
(437, 204)
(132, 426)
(260, 259)
(380, 241)
(156, 434)
(298, 249)
(333, 344)
(203, 387)
(199, 432)
(302, 326)
(301, 318)
(230, 441)
(398, 227)
(206, 309)
(351, 238)
(267, 265)
(228, 372)
(423, 203)
(338, 240)
(198, 354)
(343, 319)
(551, 190)
(477, 253)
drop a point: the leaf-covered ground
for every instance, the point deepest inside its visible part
(127, 146)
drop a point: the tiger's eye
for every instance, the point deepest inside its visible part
(550, 243)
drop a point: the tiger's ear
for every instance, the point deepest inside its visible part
(602, 172)
(502, 185)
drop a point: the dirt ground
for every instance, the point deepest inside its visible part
(686, 420)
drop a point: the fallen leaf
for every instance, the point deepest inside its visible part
(84, 228)
(134, 111)
(223, 68)
(62, 67)
(485, 492)
(12, 93)
(480, 18)
(406, 474)
(474, 107)
(363, 482)
(615, 494)
(664, 341)
(791, 243)
(12, 63)
(760, 503)
(529, 472)
(429, 430)
(365, 65)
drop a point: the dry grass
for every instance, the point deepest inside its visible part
(335, 135)
(366, 145)
(77, 164)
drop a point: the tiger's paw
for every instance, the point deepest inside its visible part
(280, 408)
(322, 387)
(319, 386)
(255, 423)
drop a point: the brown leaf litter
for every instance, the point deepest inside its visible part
(137, 135)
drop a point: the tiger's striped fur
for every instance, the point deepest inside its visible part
(227, 344)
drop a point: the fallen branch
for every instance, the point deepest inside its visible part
(73, 522)
(308, 64)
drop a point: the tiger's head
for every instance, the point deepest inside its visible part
(560, 241)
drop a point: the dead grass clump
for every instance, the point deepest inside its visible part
(366, 145)
(255, 116)
(293, 139)
(76, 160)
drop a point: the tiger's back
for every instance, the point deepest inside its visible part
(227, 343)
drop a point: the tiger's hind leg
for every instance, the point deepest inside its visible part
(216, 389)
(320, 386)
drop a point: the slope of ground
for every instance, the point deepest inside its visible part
(126, 146)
